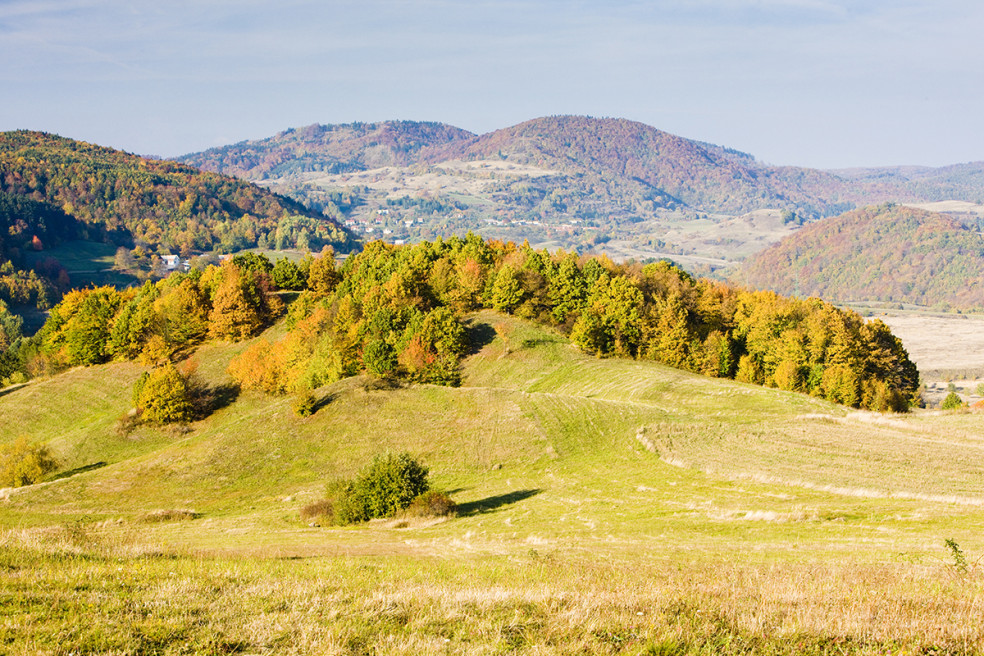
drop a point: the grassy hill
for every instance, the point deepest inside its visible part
(883, 253)
(607, 506)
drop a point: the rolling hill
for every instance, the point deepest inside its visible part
(116, 194)
(54, 190)
(567, 181)
(624, 162)
(610, 505)
(879, 253)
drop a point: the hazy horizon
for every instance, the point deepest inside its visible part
(826, 84)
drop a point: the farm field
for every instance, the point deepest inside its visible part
(946, 348)
(605, 506)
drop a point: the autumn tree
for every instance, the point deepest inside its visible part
(322, 276)
(163, 396)
(240, 307)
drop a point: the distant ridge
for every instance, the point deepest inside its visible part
(617, 159)
(328, 148)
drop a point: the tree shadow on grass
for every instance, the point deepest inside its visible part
(13, 388)
(77, 470)
(479, 335)
(490, 504)
(323, 401)
(221, 396)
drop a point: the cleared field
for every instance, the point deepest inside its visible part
(606, 506)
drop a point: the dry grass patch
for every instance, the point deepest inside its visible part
(158, 516)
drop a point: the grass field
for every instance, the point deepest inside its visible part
(87, 263)
(606, 506)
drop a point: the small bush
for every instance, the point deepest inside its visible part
(383, 488)
(951, 402)
(304, 403)
(158, 516)
(432, 504)
(959, 559)
(23, 463)
(127, 422)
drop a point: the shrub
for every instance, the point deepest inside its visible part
(158, 516)
(383, 488)
(23, 463)
(951, 402)
(304, 403)
(432, 504)
(163, 396)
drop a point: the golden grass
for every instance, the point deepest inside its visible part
(136, 600)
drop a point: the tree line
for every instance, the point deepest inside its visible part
(397, 312)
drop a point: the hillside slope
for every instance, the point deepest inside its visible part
(538, 420)
(884, 253)
(122, 197)
(622, 162)
(605, 506)
(328, 148)
(622, 152)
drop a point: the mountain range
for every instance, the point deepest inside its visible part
(604, 155)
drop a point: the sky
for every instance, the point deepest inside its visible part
(819, 83)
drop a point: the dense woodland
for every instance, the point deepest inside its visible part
(54, 190)
(399, 313)
(886, 253)
(123, 198)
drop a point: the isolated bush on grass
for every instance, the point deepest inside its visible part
(23, 463)
(304, 404)
(383, 488)
(951, 402)
(319, 512)
(158, 516)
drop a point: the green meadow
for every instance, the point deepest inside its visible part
(605, 506)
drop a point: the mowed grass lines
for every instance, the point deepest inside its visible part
(75, 413)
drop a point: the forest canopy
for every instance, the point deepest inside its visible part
(398, 312)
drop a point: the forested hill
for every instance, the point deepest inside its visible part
(619, 151)
(957, 181)
(601, 166)
(883, 253)
(101, 193)
(329, 148)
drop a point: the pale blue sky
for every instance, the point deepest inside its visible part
(826, 83)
